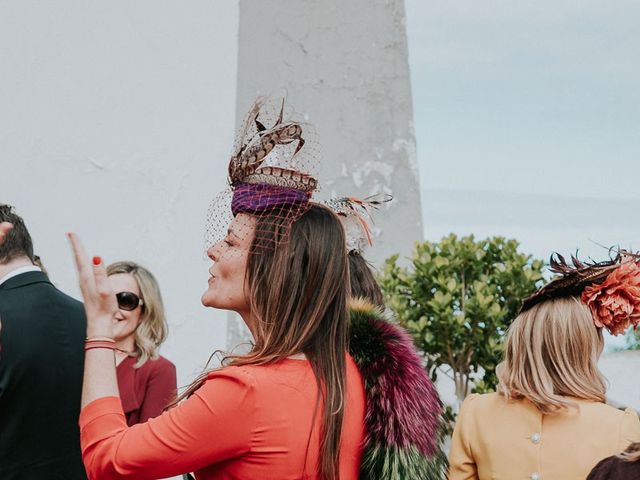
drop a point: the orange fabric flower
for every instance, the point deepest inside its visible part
(615, 303)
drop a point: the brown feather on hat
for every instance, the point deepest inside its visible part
(610, 288)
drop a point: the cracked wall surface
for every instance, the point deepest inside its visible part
(344, 65)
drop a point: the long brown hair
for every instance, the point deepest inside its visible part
(363, 282)
(298, 298)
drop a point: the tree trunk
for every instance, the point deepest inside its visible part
(462, 387)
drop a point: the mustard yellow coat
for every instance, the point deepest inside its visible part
(499, 440)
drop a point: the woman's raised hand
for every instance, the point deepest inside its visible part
(100, 302)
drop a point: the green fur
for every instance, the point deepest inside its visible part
(384, 462)
(395, 463)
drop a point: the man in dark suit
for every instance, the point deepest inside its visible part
(41, 364)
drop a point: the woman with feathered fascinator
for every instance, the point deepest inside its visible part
(293, 407)
(404, 421)
(549, 417)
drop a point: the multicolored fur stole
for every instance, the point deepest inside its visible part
(403, 420)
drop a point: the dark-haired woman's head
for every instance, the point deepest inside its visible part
(290, 283)
(363, 282)
(267, 267)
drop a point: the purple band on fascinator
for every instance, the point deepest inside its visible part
(258, 197)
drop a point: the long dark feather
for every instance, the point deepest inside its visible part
(574, 276)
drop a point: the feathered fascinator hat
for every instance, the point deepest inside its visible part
(611, 289)
(271, 172)
(356, 218)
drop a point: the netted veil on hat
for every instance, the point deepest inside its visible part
(611, 288)
(356, 218)
(271, 174)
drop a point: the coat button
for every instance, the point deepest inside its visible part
(535, 438)
(535, 476)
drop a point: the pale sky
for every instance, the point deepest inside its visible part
(527, 121)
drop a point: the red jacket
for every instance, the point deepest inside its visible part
(244, 422)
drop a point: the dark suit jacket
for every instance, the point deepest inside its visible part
(41, 364)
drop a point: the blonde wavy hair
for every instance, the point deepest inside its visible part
(551, 356)
(153, 328)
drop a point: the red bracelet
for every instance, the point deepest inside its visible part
(106, 339)
(91, 344)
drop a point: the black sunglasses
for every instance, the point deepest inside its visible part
(128, 301)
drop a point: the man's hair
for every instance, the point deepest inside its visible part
(17, 242)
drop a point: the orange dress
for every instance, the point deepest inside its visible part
(246, 422)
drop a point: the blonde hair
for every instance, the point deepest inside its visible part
(551, 353)
(152, 329)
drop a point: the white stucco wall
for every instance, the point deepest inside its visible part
(116, 121)
(344, 65)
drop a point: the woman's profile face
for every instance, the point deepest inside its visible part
(227, 281)
(126, 321)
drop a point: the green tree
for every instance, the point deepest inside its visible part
(633, 340)
(457, 298)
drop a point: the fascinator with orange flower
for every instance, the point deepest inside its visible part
(611, 289)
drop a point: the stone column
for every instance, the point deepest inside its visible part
(344, 65)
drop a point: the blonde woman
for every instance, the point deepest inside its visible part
(146, 380)
(549, 419)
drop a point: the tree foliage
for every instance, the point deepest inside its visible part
(457, 298)
(633, 340)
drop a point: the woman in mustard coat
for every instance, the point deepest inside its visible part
(549, 419)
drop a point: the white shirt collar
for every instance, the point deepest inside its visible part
(18, 271)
